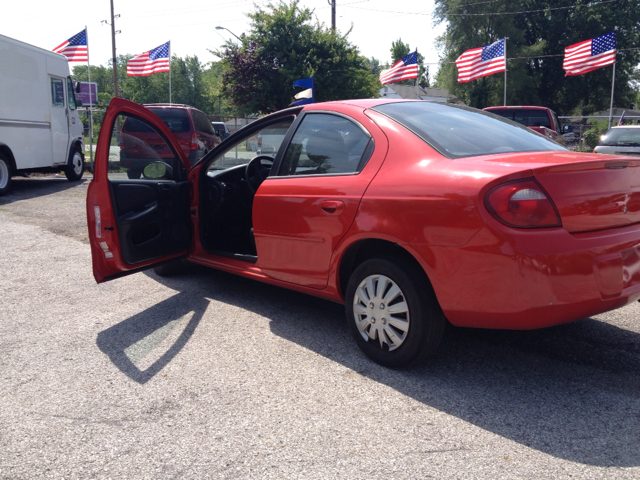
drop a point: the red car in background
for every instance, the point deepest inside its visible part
(139, 144)
(539, 119)
(411, 213)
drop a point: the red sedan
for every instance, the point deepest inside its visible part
(410, 213)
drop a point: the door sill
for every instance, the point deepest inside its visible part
(237, 256)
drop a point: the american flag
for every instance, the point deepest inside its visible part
(153, 61)
(590, 55)
(482, 61)
(75, 49)
(404, 69)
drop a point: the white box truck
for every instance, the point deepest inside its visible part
(40, 130)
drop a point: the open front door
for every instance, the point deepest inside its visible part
(138, 202)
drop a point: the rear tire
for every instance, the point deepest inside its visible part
(75, 167)
(392, 312)
(5, 174)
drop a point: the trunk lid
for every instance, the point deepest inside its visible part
(593, 192)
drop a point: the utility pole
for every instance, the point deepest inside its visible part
(333, 14)
(113, 51)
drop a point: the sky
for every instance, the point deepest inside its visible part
(146, 24)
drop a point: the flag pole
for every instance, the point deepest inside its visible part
(613, 82)
(505, 70)
(169, 71)
(415, 80)
(90, 112)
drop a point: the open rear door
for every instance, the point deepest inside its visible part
(138, 202)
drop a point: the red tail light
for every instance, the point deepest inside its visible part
(523, 204)
(194, 141)
(121, 141)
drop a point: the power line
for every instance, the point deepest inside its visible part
(527, 11)
(484, 14)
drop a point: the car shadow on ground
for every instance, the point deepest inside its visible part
(40, 186)
(571, 391)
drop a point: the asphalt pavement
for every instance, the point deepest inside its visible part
(208, 375)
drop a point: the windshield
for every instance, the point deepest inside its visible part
(457, 132)
(526, 117)
(629, 137)
(176, 119)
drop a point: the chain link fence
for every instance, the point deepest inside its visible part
(582, 133)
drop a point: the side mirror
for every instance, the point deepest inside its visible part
(78, 87)
(157, 170)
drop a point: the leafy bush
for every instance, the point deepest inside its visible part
(592, 136)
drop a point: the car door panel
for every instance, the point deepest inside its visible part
(300, 218)
(136, 223)
(152, 219)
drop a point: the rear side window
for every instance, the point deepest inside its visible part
(201, 122)
(458, 132)
(325, 144)
(175, 118)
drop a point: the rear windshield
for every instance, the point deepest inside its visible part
(526, 117)
(457, 132)
(176, 119)
(624, 137)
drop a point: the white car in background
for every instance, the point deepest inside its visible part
(623, 140)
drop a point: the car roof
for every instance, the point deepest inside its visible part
(168, 105)
(626, 126)
(363, 102)
(516, 107)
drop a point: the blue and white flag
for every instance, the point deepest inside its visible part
(305, 96)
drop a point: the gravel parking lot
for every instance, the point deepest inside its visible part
(207, 375)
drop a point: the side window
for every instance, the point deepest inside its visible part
(326, 144)
(71, 94)
(57, 92)
(136, 144)
(266, 141)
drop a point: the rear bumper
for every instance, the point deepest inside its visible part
(524, 279)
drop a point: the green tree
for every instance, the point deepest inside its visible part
(537, 38)
(284, 46)
(192, 83)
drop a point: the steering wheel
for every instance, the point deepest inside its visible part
(254, 172)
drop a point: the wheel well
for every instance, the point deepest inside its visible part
(366, 249)
(7, 153)
(76, 146)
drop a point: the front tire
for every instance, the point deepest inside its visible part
(75, 166)
(392, 312)
(5, 174)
